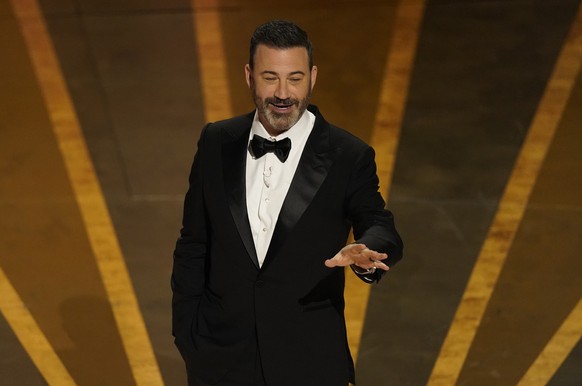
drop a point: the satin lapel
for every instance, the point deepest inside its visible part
(234, 156)
(313, 167)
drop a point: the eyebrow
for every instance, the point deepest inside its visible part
(275, 73)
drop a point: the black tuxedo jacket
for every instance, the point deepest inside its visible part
(293, 304)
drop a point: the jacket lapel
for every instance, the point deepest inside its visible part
(312, 170)
(234, 156)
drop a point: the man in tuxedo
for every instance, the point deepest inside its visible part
(258, 274)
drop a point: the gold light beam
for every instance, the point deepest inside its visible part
(385, 137)
(556, 351)
(510, 211)
(394, 91)
(212, 61)
(88, 194)
(31, 336)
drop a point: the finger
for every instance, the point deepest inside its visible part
(382, 266)
(348, 255)
(367, 260)
(354, 249)
(373, 255)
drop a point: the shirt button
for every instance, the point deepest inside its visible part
(267, 200)
(264, 229)
(259, 283)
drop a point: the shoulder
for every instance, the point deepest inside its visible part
(239, 121)
(339, 138)
(228, 128)
(343, 137)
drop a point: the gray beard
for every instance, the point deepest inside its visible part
(280, 122)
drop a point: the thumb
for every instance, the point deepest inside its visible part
(330, 263)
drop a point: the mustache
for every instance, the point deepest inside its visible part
(279, 101)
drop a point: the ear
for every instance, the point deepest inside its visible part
(313, 76)
(249, 76)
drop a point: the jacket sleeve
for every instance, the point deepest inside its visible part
(373, 225)
(188, 273)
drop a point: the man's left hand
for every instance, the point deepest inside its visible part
(359, 255)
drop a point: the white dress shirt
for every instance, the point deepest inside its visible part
(268, 180)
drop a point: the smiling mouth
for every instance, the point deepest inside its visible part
(282, 107)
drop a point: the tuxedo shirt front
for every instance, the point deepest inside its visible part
(268, 180)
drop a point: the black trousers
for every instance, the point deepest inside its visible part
(247, 371)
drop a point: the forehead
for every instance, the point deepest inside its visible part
(273, 59)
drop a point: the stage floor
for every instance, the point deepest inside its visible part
(473, 107)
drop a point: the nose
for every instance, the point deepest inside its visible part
(282, 91)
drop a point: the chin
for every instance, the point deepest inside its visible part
(282, 123)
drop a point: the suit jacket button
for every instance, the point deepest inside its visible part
(259, 283)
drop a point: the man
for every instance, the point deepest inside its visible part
(258, 274)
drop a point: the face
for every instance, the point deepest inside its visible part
(281, 82)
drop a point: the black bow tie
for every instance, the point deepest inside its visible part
(260, 146)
